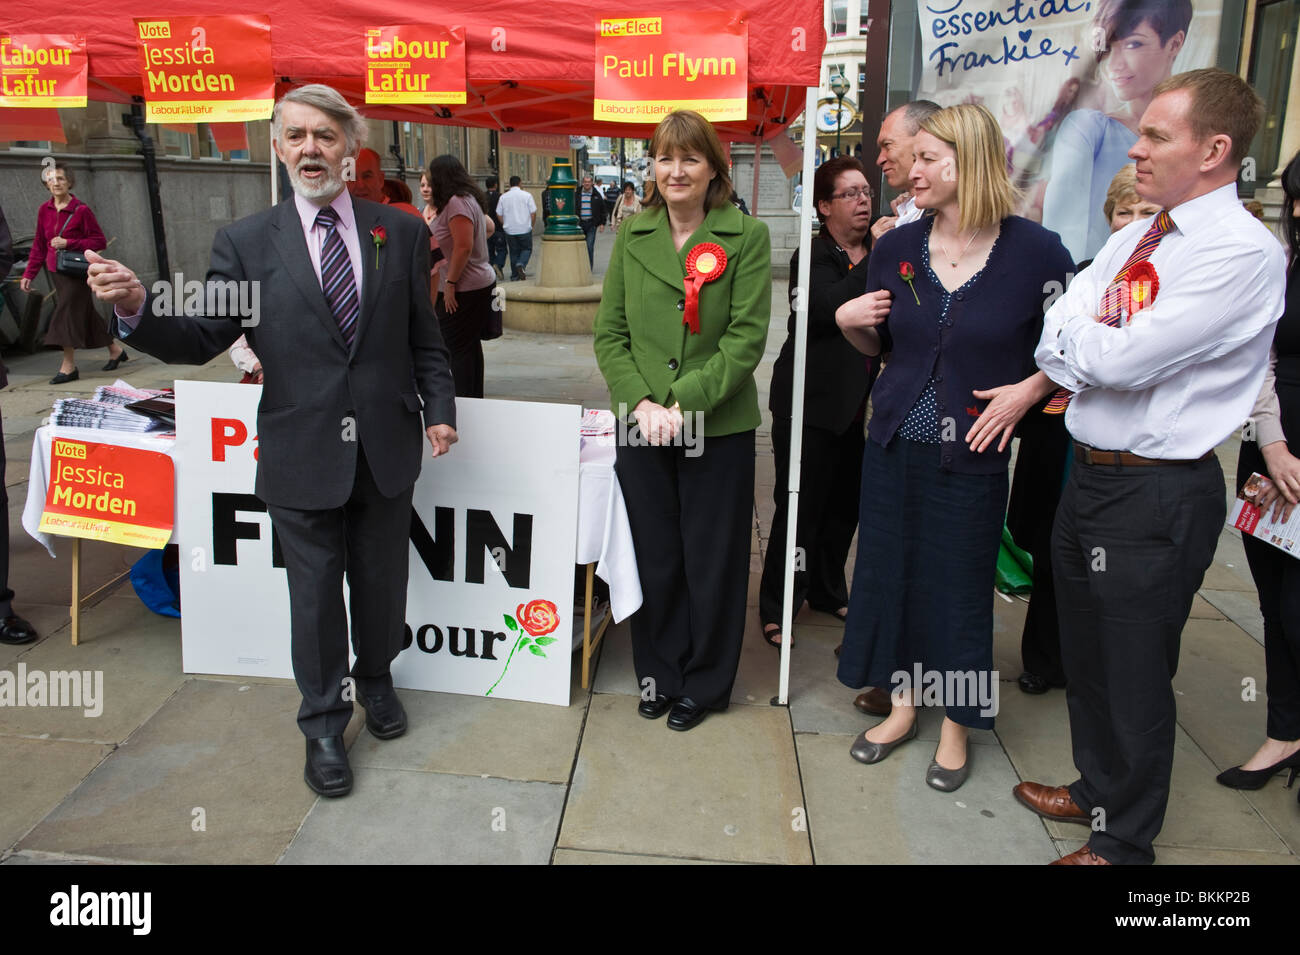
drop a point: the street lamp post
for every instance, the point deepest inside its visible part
(839, 86)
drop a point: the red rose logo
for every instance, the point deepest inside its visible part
(532, 621)
(538, 617)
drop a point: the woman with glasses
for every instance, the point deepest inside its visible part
(837, 378)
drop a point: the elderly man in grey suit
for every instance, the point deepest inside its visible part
(351, 355)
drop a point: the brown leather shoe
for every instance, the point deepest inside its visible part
(1051, 802)
(874, 702)
(1084, 856)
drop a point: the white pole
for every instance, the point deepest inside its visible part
(275, 178)
(800, 356)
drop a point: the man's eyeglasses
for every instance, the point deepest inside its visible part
(853, 195)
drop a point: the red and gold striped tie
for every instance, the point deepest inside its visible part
(1115, 298)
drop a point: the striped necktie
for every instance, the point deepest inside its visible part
(336, 278)
(1115, 298)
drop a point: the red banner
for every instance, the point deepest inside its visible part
(229, 137)
(106, 492)
(648, 66)
(43, 71)
(206, 69)
(415, 63)
(31, 125)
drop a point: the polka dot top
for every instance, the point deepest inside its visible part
(922, 422)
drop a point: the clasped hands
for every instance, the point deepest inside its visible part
(1284, 476)
(659, 425)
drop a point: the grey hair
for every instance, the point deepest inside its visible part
(330, 102)
(915, 113)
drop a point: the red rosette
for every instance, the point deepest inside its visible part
(1142, 283)
(704, 263)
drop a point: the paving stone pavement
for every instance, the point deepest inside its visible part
(190, 768)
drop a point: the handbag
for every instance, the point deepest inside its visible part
(67, 262)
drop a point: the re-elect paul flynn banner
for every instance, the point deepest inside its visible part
(1068, 81)
(649, 65)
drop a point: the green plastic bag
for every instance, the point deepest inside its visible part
(1015, 567)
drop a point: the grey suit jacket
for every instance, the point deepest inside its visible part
(320, 399)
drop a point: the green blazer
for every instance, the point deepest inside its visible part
(642, 346)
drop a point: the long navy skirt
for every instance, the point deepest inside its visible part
(922, 585)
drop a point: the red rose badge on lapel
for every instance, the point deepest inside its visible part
(908, 275)
(379, 235)
(704, 263)
(1142, 284)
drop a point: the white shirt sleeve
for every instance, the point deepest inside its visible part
(1188, 323)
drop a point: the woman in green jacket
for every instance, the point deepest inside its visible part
(682, 325)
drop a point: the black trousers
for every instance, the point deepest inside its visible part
(462, 332)
(829, 481)
(692, 520)
(1130, 549)
(366, 539)
(1277, 578)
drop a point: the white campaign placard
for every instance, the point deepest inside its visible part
(492, 548)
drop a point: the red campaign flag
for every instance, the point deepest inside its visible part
(229, 137)
(415, 63)
(43, 71)
(213, 69)
(31, 125)
(649, 65)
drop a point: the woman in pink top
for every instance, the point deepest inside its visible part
(65, 222)
(465, 304)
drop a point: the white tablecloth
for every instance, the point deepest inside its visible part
(604, 537)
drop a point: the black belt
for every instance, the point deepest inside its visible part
(1088, 455)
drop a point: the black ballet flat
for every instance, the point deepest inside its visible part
(63, 377)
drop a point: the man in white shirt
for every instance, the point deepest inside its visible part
(1141, 514)
(518, 212)
(897, 134)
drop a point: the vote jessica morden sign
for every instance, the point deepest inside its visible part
(208, 69)
(647, 66)
(106, 492)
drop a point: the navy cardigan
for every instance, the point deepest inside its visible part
(986, 340)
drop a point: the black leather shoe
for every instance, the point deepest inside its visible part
(64, 377)
(385, 716)
(686, 713)
(16, 630)
(653, 709)
(114, 362)
(328, 772)
(1032, 683)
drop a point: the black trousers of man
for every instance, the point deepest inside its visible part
(692, 521)
(367, 538)
(1129, 551)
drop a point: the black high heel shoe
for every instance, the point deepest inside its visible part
(1238, 778)
(114, 362)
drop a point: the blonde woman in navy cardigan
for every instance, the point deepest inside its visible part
(957, 300)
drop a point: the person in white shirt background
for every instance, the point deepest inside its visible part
(518, 212)
(1141, 514)
(897, 132)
